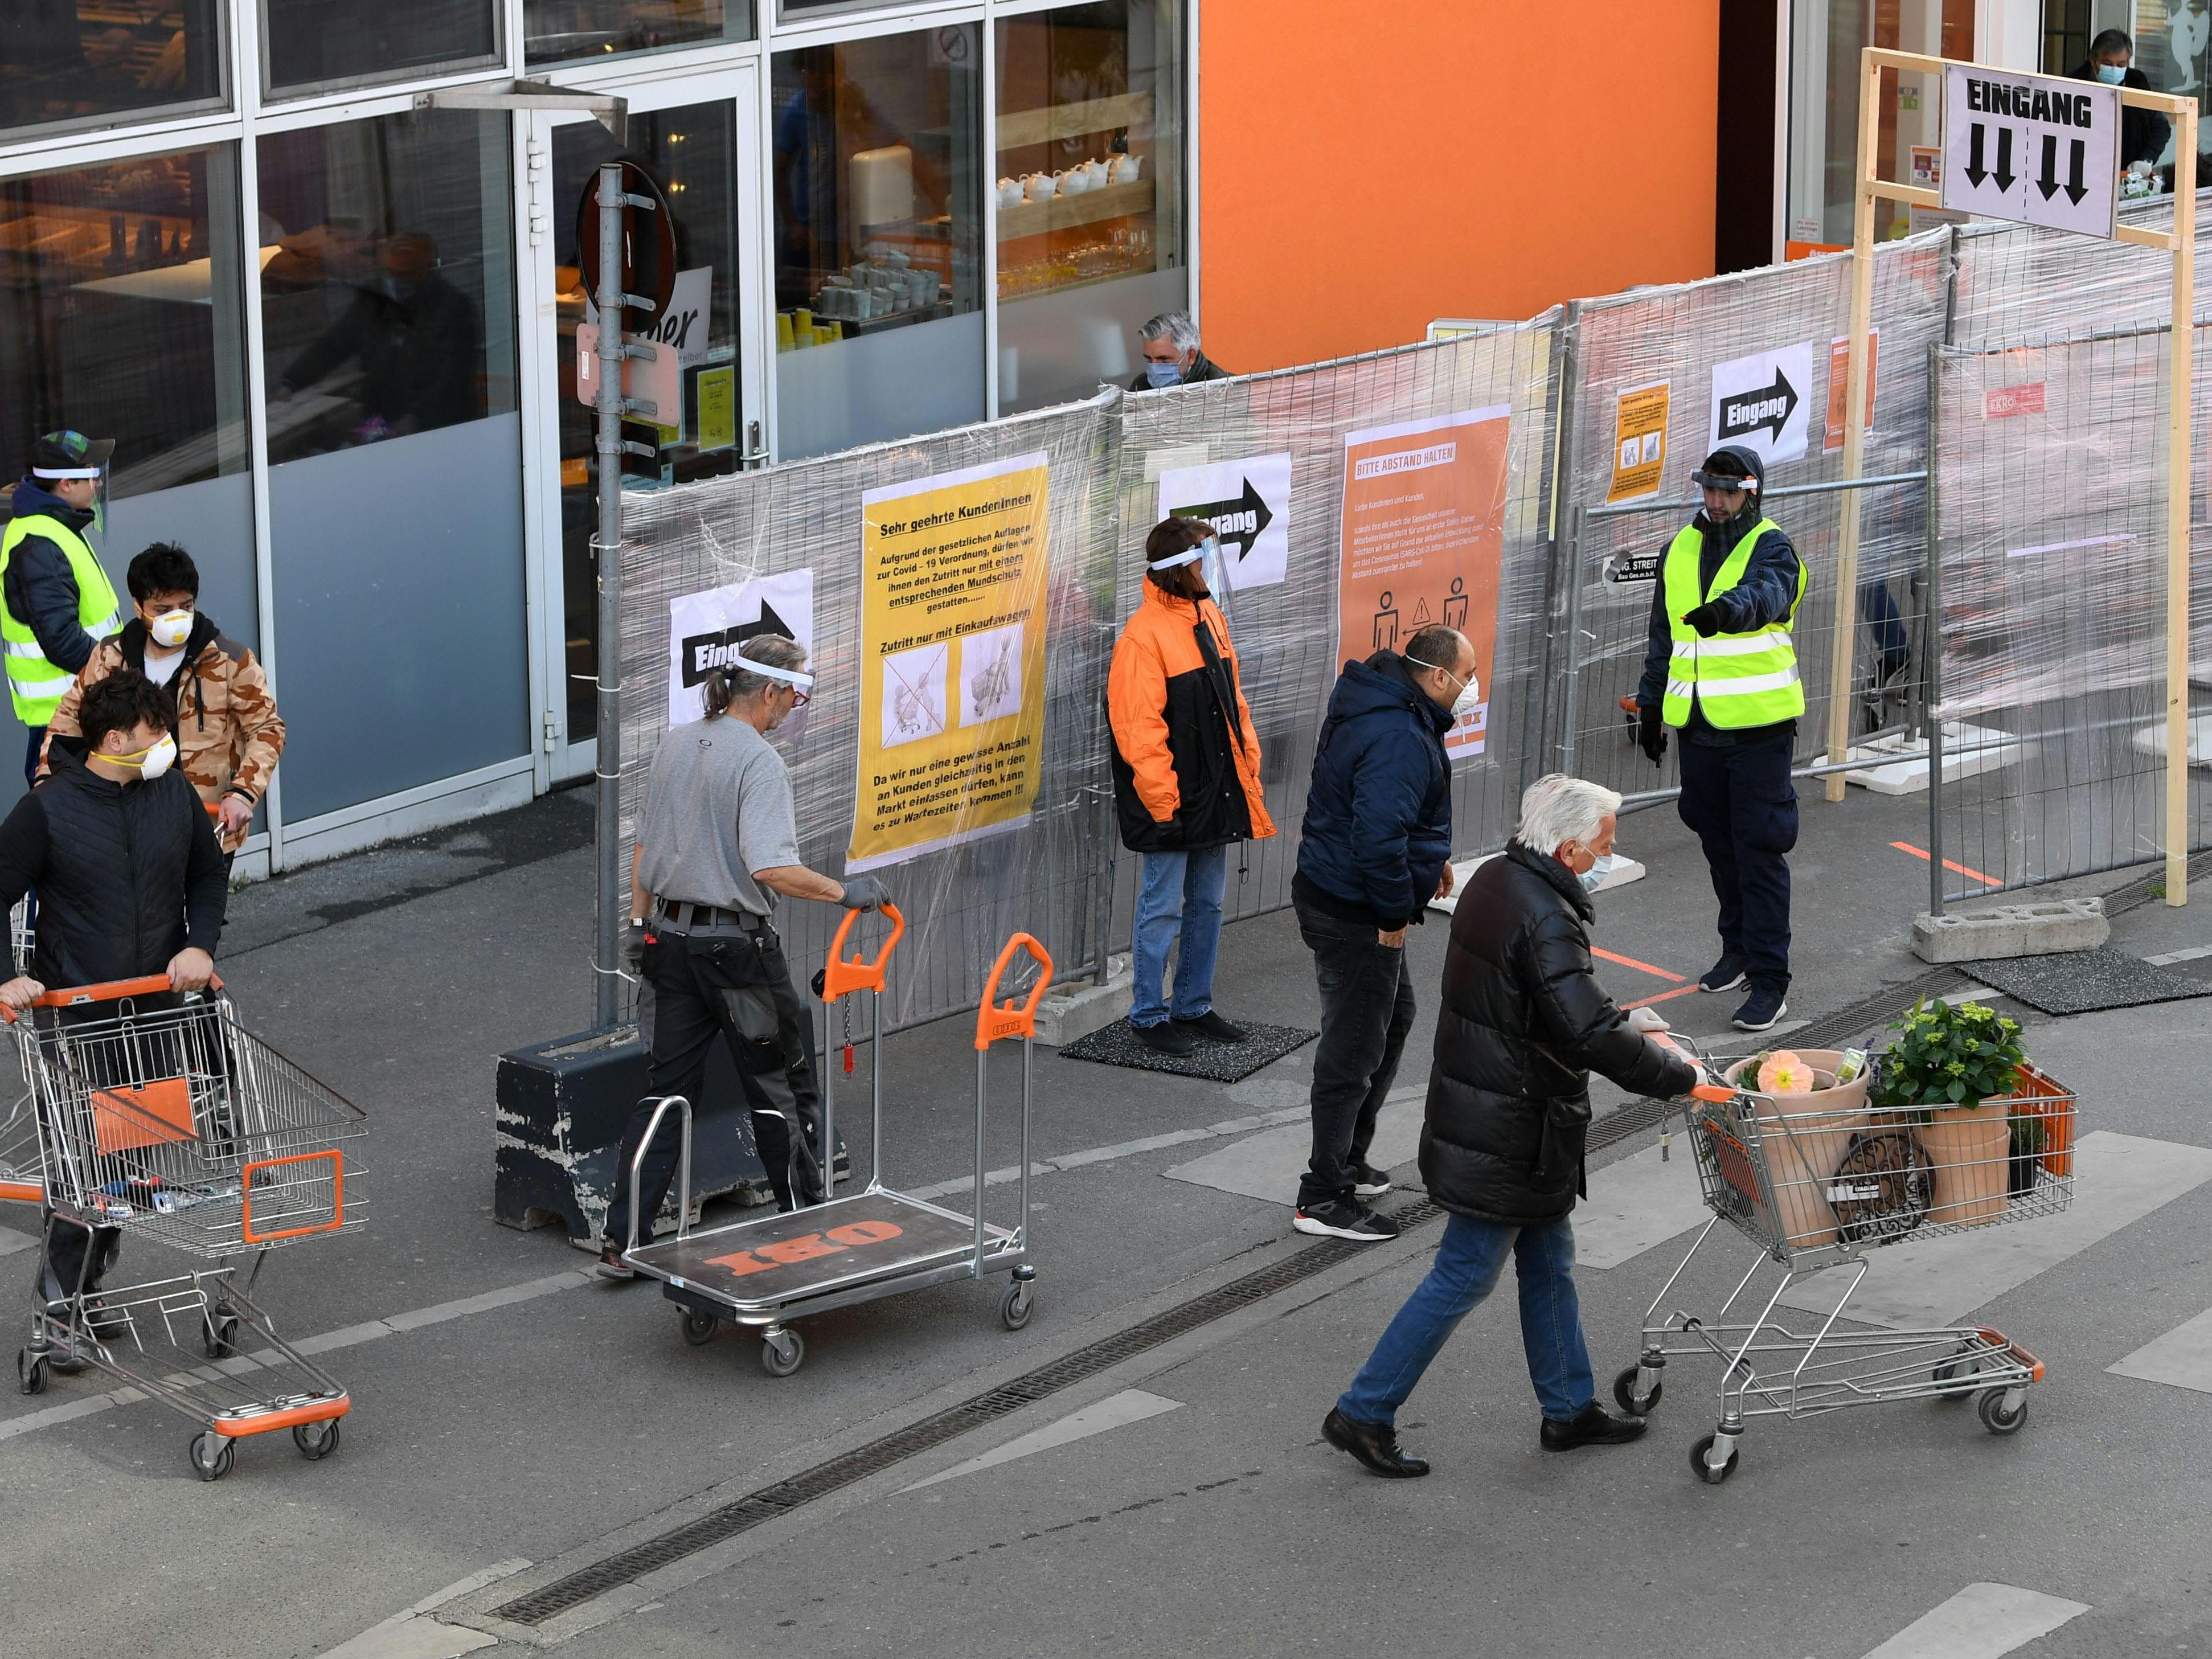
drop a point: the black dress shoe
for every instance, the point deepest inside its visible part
(1209, 1027)
(1168, 1037)
(1375, 1444)
(1596, 1426)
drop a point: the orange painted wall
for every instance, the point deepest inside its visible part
(1367, 167)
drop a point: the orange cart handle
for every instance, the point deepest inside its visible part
(114, 990)
(1713, 1094)
(841, 972)
(994, 1020)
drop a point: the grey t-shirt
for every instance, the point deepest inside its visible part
(717, 807)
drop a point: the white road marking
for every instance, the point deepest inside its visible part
(2119, 1179)
(412, 1634)
(1234, 1126)
(1130, 1405)
(1269, 1165)
(1636, 1203)
(11, 1240)
(1982, 1621)
(2167, 960)
(2182, 1357)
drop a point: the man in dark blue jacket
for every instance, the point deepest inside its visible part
(1376, 848)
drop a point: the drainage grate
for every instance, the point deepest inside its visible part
(747, 1512)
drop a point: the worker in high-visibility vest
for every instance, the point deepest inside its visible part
(55, 603)
(1721, 668)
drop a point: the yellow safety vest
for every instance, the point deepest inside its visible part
(36, 686)
(1740, 679)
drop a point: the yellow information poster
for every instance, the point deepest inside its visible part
(718, 409)
(1639, 441)
(953, 636)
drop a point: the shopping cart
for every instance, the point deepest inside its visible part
(174, 1125)
(1817, 1182)
(876, 1242)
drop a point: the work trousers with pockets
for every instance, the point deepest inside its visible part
(1740, 802)
(1366, 1010)
(771, 1033)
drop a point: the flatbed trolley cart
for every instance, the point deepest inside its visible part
(767, 1273)
(1816, 1188)
(178, 1127)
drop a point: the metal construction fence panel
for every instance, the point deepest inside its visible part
(1286, 632)
(2050, 568)
(2019, 283)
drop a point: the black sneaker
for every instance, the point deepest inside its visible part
(1368, 1181)
(1344, 1217)
(1209, 1027)
(1725, 975)
(612, 1266)
(1761, 1009)
(1594, 1426)
(1169, 1038)
(1375, 1444)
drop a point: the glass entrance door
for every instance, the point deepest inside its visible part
(692, 151)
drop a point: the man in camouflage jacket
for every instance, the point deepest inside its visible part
(228, 731)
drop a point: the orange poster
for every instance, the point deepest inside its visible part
(1424, 532)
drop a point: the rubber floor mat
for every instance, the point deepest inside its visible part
(1218, 1062)
(2086, 982)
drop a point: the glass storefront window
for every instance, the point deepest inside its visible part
(2174, 49)
(562, 31)
(315, 45)
(1090, 181)
(80, 63)
(692, 153)
(388, 307)
(878, 219)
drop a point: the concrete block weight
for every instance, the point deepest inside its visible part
(2050, 928)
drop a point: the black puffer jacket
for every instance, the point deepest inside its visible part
(128, 874)
(1522, 1024)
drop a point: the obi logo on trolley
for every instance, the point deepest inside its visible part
(807, 1246)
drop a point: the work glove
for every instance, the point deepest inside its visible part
(1652, 733)
(1707, 619)
(633, 945)
(864, 893)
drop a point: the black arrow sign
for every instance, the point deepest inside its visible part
(704, 653)
(2003, 173)
(1238, 522)
(2075, 190)
(1975, 171)
(2048, 184)
(1743, 413)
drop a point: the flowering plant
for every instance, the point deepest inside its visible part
(1945, 1056)
(1784, 1073)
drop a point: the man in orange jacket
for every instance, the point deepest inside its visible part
(1186, 782)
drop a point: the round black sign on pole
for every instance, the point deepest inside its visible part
(648, 239)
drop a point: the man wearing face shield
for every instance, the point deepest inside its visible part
(229, 735)
(717, 844)
(55, 603)
(130, 884)
(1186, 782)
(1721, 668)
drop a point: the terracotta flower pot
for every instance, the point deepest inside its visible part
(1804, 1138)
(1970, 1147)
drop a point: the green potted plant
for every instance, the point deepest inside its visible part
(1951, 1070)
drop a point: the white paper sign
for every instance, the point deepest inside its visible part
(1247, 503)
(705, 630)
(2032, 147)
(1762, 402)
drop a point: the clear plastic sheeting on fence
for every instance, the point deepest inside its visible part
(1658, 361)
(2019, 283)
(962, 901)
(2050, 573)
(1293, 430)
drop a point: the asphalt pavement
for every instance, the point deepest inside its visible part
(1163, 1489)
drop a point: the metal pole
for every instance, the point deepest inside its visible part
(1560, 555)
(2177, 508)
(613, 894)
(1855, 390)
(1570, 682)
(1931, 638)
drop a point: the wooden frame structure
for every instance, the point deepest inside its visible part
(2181, 242)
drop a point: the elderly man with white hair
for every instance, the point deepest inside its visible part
(1522, 1024)
(1172, 354)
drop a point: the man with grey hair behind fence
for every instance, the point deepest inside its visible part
(717, 842)
(1172, 354)
(1522, 1024)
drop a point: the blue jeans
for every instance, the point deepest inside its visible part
(1181, 895)
(1468, 1263)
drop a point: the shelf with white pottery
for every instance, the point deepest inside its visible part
(1086, 207)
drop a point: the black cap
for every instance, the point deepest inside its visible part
(1732, 467)
(69, 455)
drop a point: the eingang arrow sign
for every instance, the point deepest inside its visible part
(2065, 133)
(1247, 502)
(1759, 401)
(1238, 523)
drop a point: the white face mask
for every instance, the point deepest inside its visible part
(1594, 878)
(1469, 697)
(150, 762)
(171, 629)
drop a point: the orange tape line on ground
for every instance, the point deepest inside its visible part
(1907, 846)
(1640, 967)
(1663, 996)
